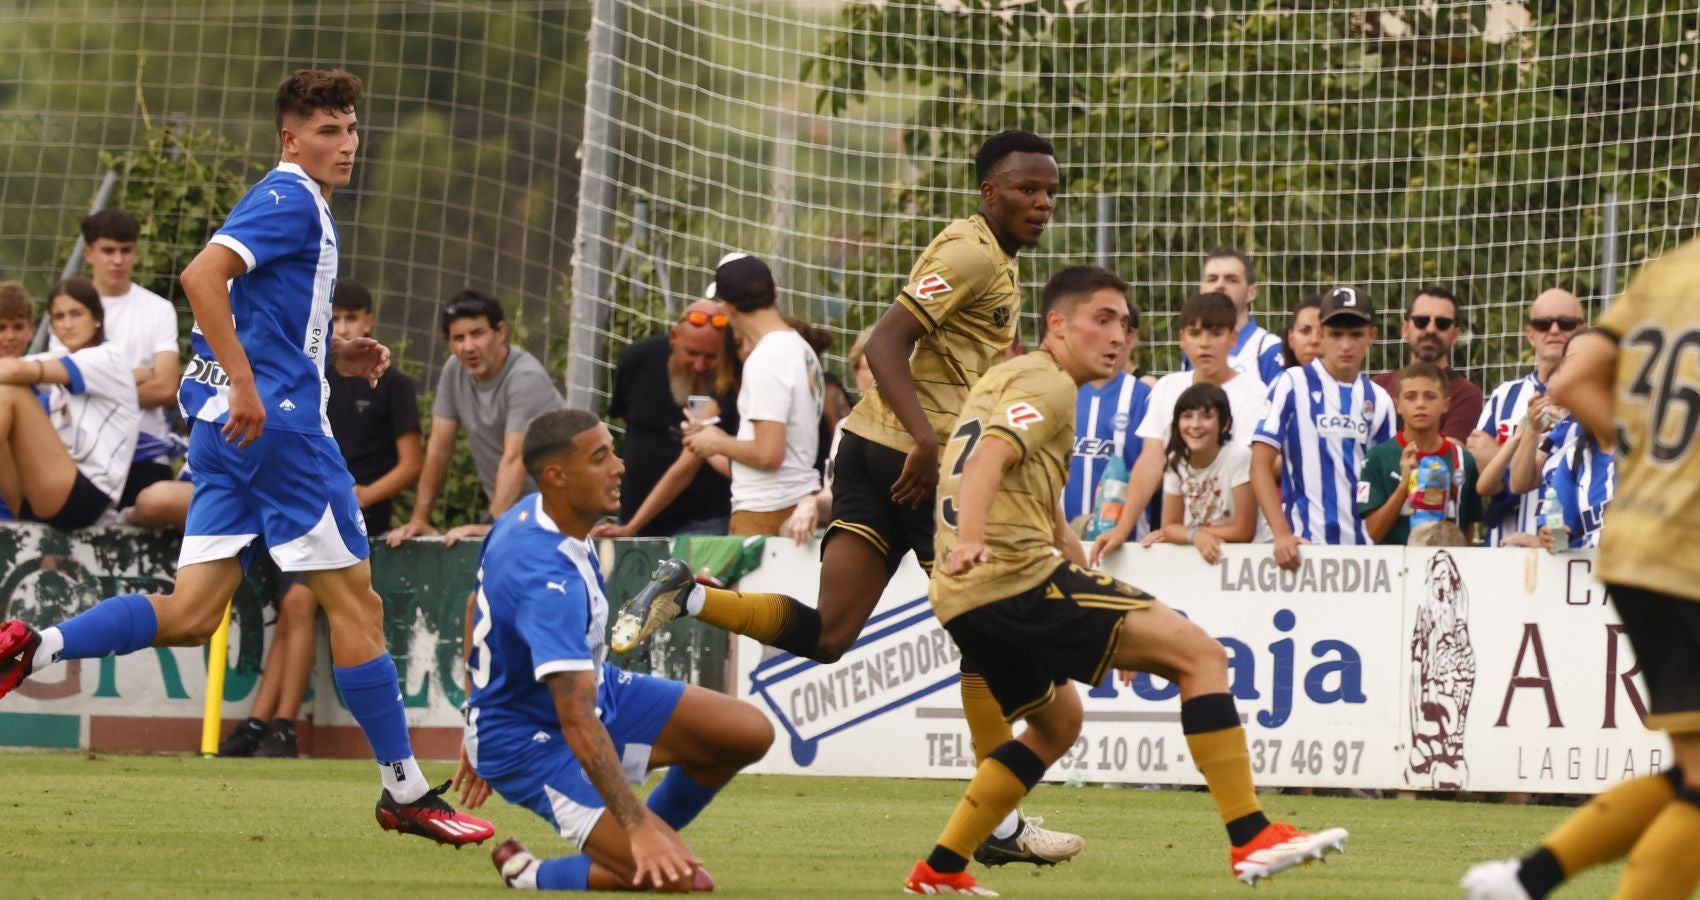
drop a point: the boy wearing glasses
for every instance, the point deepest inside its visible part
(1432, 325)
(1554, 318)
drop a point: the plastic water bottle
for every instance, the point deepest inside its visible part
(1112, 496)
(1552, 518)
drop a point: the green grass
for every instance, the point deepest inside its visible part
(85, 826)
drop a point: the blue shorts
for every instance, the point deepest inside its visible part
(291, 489)
(537, 770)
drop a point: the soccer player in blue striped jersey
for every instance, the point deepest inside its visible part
(266, 467)
(1321, 421)
(1554, 317)
(556, 728)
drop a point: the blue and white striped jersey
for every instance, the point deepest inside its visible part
(284, 232)
(541, 608)
(1105, 419)
(1508, 513)
(1323, 429)
(1582, 473)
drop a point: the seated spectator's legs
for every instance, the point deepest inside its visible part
(162, 505)
(297, 614)
(34, 465)
(745, 522)
(144, 475)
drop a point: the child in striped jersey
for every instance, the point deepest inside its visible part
(1321, 420)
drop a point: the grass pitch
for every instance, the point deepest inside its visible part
(84, 826)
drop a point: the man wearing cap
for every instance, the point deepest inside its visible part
(1432, 325)
(654, 382)
(1322, 418)
(779, 405)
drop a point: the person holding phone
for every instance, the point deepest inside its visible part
(660, 383)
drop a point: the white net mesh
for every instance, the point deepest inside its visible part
(467, 174)
(1496, 148)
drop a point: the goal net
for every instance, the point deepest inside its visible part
(1497, 148)
(467, 174)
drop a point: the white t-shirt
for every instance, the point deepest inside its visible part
(1245, 400)
(139, 324)
(782, 383)
(97, 414)
(1246, 396)
(1207, 494)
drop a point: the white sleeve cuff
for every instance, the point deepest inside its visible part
(563, 665)
(236, 246)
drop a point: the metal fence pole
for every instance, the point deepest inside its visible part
(598, 194)
(1608, 253)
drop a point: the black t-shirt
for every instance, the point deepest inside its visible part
(366, 422)
(643, 397)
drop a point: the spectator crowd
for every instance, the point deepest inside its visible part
(731, 420)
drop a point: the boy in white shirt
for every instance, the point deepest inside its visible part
(142, 327)
(1206, 329)
(779, 405)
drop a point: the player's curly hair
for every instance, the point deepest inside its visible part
(15, 303)
(306, 91)
(1000, 146)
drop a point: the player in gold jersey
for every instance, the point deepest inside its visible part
(1034, 620)
(1635, 380)
(954, 318)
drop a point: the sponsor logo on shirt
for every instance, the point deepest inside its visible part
(206, 372)
(1022, 415)
(1336, 425)
(929, 287)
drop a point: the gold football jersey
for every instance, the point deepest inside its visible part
(1029, 402)
(1652, 524)
(964, 292)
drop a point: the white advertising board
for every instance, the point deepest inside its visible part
(1356, 670)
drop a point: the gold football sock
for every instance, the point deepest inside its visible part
(761, 616)
(1222, 757)
(1610, 824)
(986, 727)
(993, 793)
(1664, 862)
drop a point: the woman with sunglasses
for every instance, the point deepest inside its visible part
(1554, 318)
(1433, 323)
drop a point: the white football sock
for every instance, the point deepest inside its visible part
(693, 603)
(1009, 826)
(52, 644)
(403, 779)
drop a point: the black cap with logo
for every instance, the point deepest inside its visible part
(1346, 303)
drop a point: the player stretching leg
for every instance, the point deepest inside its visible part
(1034, 623)
(265, 464)
(952, 321)
(556, 729)
(1634, 375)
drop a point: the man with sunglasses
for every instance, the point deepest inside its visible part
(653, 383)
(1432, 325)
(1554, 317)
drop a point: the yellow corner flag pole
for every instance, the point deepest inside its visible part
(218, 657)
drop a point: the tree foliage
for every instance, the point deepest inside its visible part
(1334, 144)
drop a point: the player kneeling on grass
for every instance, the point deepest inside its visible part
(1033, 621)
(554, 727)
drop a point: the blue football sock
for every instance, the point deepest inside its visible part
(564, 873)
(372, 691)
(122, 624)
(679, 798)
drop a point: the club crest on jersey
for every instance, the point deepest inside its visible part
(1023, 414)
(929, 286)
(1000, 316)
